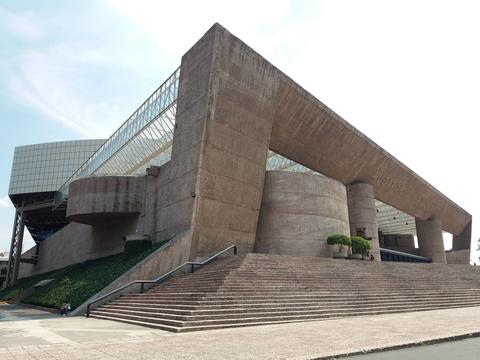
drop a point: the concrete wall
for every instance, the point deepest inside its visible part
(458, 257)
(233, 134)
(298, 213)
(398, 241)
(233, 106)
(169, 256)
(96, 199)
(76, 243)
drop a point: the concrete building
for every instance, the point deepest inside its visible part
(230, 150)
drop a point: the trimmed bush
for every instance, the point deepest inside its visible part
(360, 245)
(339, 240)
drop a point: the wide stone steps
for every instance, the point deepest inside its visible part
(293, 300)
(286, 303)
(239, 312)
(325, 296)
(235, 309)
(260, 289)
(180, 326)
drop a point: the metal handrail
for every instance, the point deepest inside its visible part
(158, 280)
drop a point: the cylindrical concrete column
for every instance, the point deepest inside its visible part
(362, 214)
(299, 211)
(430, 240)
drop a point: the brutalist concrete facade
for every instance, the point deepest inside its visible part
(298, 212)
(232, 107)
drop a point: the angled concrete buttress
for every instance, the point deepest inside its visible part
(233, 106)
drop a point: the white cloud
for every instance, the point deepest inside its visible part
(5, 202)
(404, 72)
(30, 95)
(89, 81)
(23, 27)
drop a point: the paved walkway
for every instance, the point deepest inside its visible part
(33, 334)
(454, 350)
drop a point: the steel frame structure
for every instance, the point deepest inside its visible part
(15, 247)
(144, 138)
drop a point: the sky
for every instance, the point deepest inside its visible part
(406, 73)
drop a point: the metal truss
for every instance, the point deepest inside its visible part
(144, 139)
(15, 247)
(278, 162)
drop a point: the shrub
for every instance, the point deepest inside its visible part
(78, 282)
(360, 245)
(339, 240)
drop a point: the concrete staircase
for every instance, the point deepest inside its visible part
(258, 289)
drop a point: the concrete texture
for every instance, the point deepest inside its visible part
(430, 240)
(76, 243)
(239, 87)
(466, 349)
(362, 214)
(458, 257)
(232, 107)
(169, 256)
(25, 327)
(96, 199)
(81, 338)
(462, 240)
(253, 289)
(299, 211)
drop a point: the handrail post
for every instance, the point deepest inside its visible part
(234, 249)
(142, 287)
(88, 310)
(193, 268)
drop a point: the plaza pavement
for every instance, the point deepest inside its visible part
(27, 333)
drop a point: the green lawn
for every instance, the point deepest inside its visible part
(76, 283)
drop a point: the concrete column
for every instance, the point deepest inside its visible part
(463, 240)
(362, 214)
(430, 239)
(460, 253)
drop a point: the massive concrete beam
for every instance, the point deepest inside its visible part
(233, 106)
(311, 134)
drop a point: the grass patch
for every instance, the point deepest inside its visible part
(76, 283)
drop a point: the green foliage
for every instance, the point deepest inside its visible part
(360, 245)
(132, 247)
(339, 240)
(78, 282)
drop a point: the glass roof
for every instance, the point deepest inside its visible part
(144, 139)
